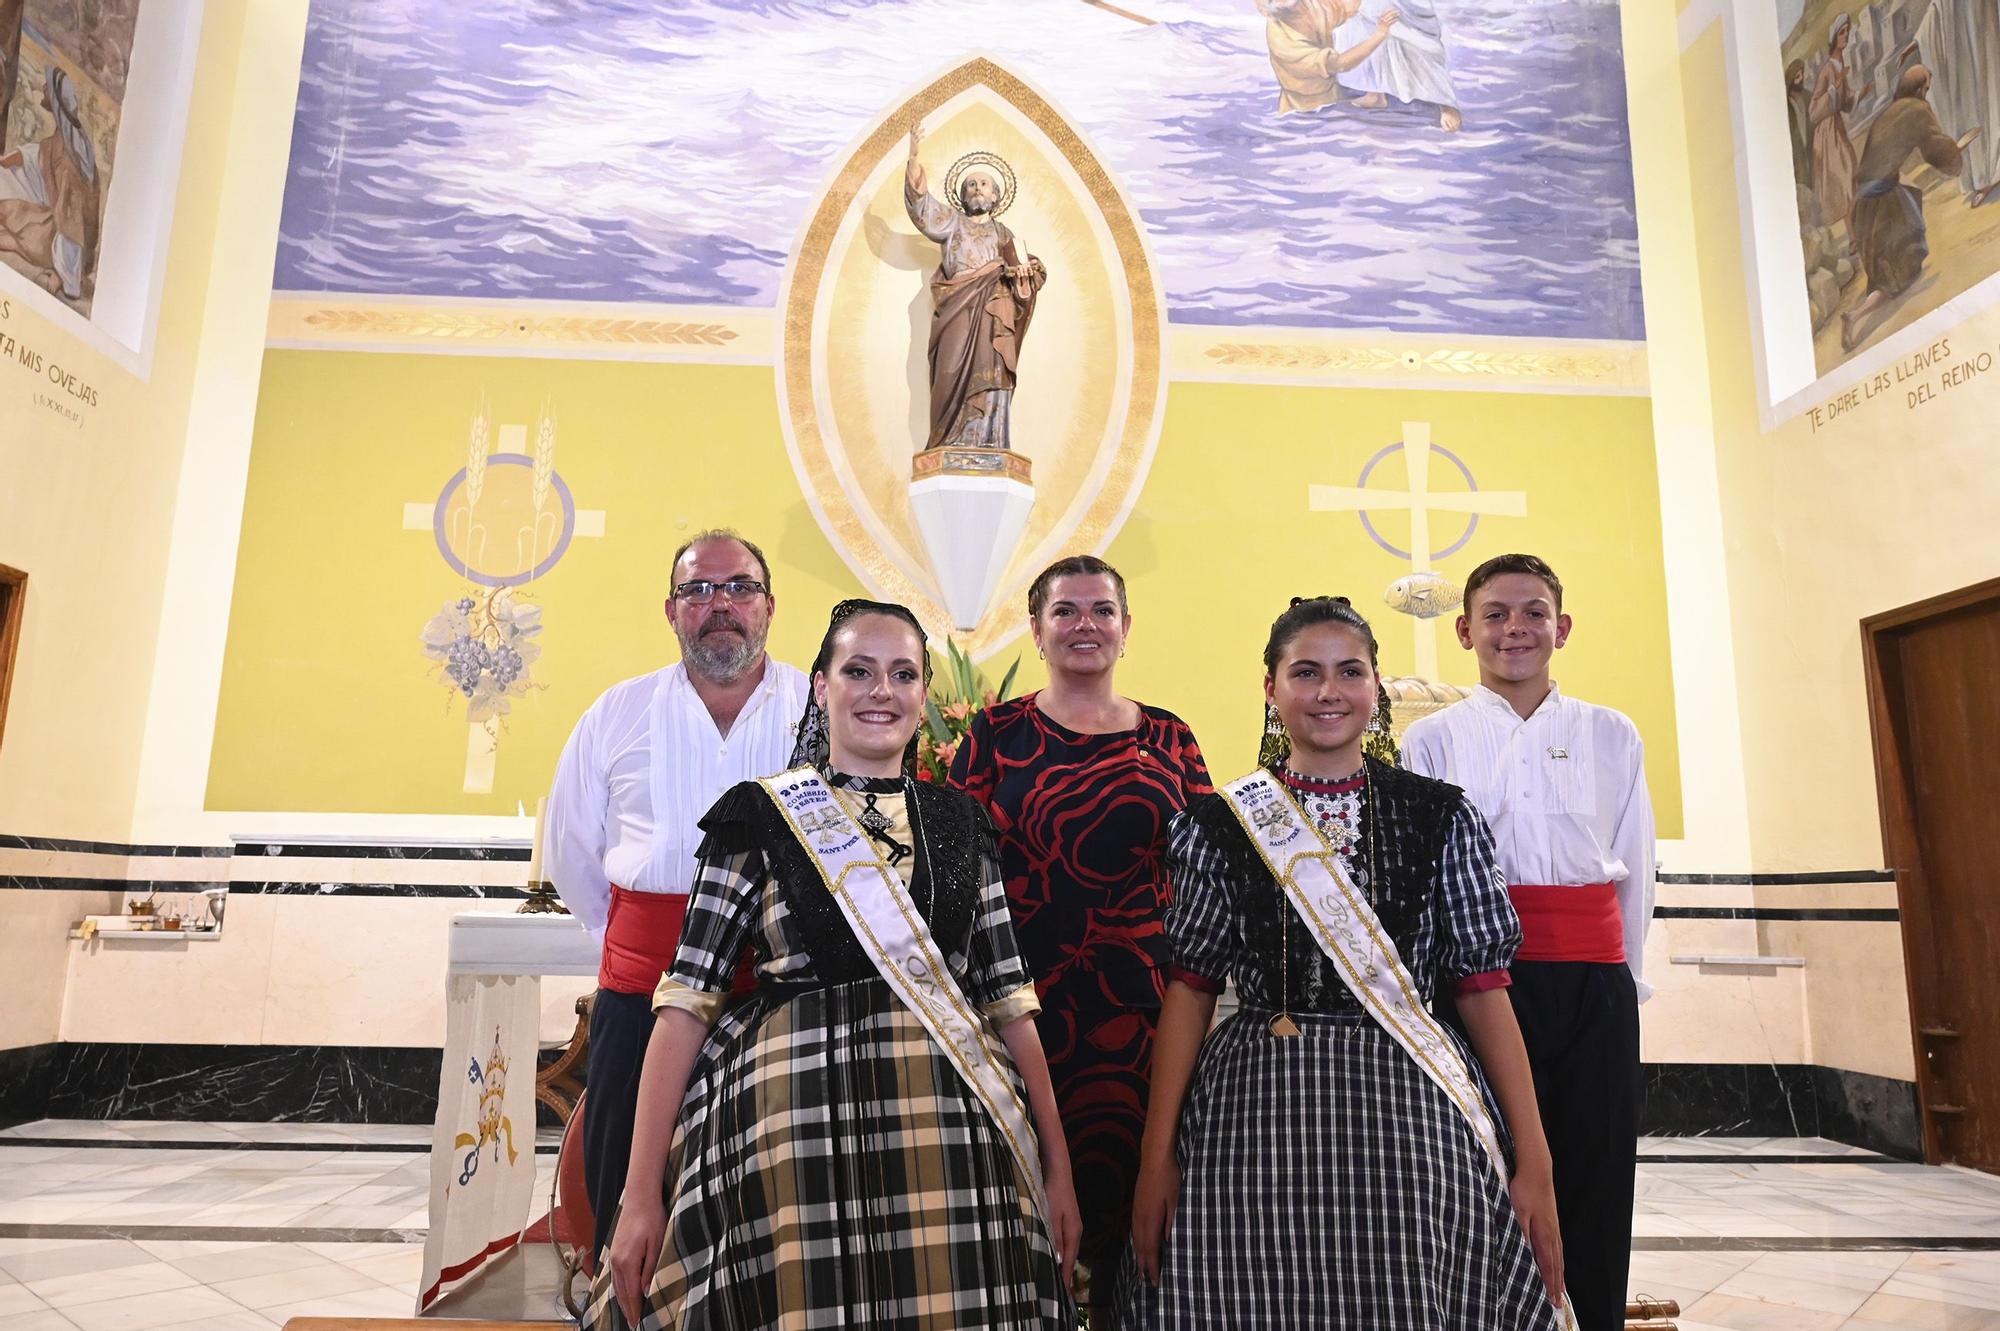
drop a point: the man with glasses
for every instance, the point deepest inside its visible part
(641, 768)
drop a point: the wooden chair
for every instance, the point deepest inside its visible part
(556, 1085)
(1650, 1314)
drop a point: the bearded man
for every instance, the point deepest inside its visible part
(641, 768)
(982, 296)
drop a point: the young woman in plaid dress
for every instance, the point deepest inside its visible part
(1301, 1169)
(812, 1158)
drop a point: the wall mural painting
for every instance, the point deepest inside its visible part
(1410, 165)
(1894, 113)
(63, 65)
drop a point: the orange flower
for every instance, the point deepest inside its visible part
(957, 711)
(945, 753)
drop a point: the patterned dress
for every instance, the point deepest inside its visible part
(1326, 1180)
(830, 1167)
(1083, 837)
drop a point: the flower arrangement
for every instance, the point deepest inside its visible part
(957, 691)
(484, 645)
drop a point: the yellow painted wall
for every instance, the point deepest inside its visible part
(328, 706)
(1876, 508)
(1223, 537)
(86, 510)
(90, 510)
(1716, 830)
(1825, 523)
(327, 702)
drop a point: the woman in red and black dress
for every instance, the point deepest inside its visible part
(1081, 784)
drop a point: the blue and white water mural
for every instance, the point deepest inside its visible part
(670, 150)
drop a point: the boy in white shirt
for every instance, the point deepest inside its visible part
(1563, 785)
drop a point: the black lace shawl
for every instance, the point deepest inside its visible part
(1414, 816)
(954, 844)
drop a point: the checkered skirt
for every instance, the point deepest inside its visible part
(834, 1170)
(1328, 1183)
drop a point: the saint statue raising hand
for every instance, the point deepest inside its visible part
(982, 297)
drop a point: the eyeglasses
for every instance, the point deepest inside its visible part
(701, 591)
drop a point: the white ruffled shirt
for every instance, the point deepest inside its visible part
(1564, 792)
(643, 765)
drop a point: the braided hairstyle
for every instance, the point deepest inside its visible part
(1304, 613)
(813, 746)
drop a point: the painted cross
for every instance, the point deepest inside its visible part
(521, 498)
(1420, 501)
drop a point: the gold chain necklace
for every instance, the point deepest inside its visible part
(1282, 1025)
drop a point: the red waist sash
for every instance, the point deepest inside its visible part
(640, 937)
(1569, 923)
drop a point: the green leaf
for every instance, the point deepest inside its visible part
(1006, 689)
(933, 718)
(967, 683)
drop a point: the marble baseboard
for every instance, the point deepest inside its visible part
(494, 851)
(25, 1077)
(1880, 1113)
(1783, 1100)
(223, 1083)
(244, 1083)
(468, 891)
(10, 841)
(365, 1084)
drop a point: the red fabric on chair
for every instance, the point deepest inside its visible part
(572, 1222)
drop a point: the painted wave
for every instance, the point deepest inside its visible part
(610, 151)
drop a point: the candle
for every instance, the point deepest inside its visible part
(535, 854)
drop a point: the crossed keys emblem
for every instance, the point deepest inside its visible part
(823, 825)
(1269, 820)
(493, 1124)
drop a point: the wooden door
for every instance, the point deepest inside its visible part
(1934, 686)
(13, 610)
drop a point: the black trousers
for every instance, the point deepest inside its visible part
(620, 1026)
(1580, 1020)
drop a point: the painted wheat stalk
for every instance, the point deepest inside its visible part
(475, 456)
(545, 456)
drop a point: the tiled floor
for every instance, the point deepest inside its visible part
(235, 1227)
(211, 1226)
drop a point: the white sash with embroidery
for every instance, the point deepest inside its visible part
(877, 906)
(1346, 929)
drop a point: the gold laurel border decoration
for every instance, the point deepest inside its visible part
(1262, 357)
(1510, 364)
(498, 326)
(301, 320)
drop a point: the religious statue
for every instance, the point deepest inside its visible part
(982, 295)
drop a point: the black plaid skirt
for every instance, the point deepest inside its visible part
(832, 1169)
(1328, 1183)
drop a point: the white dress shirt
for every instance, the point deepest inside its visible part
(1564, 791)
(643, 765)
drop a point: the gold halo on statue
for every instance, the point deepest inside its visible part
(993, 162)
